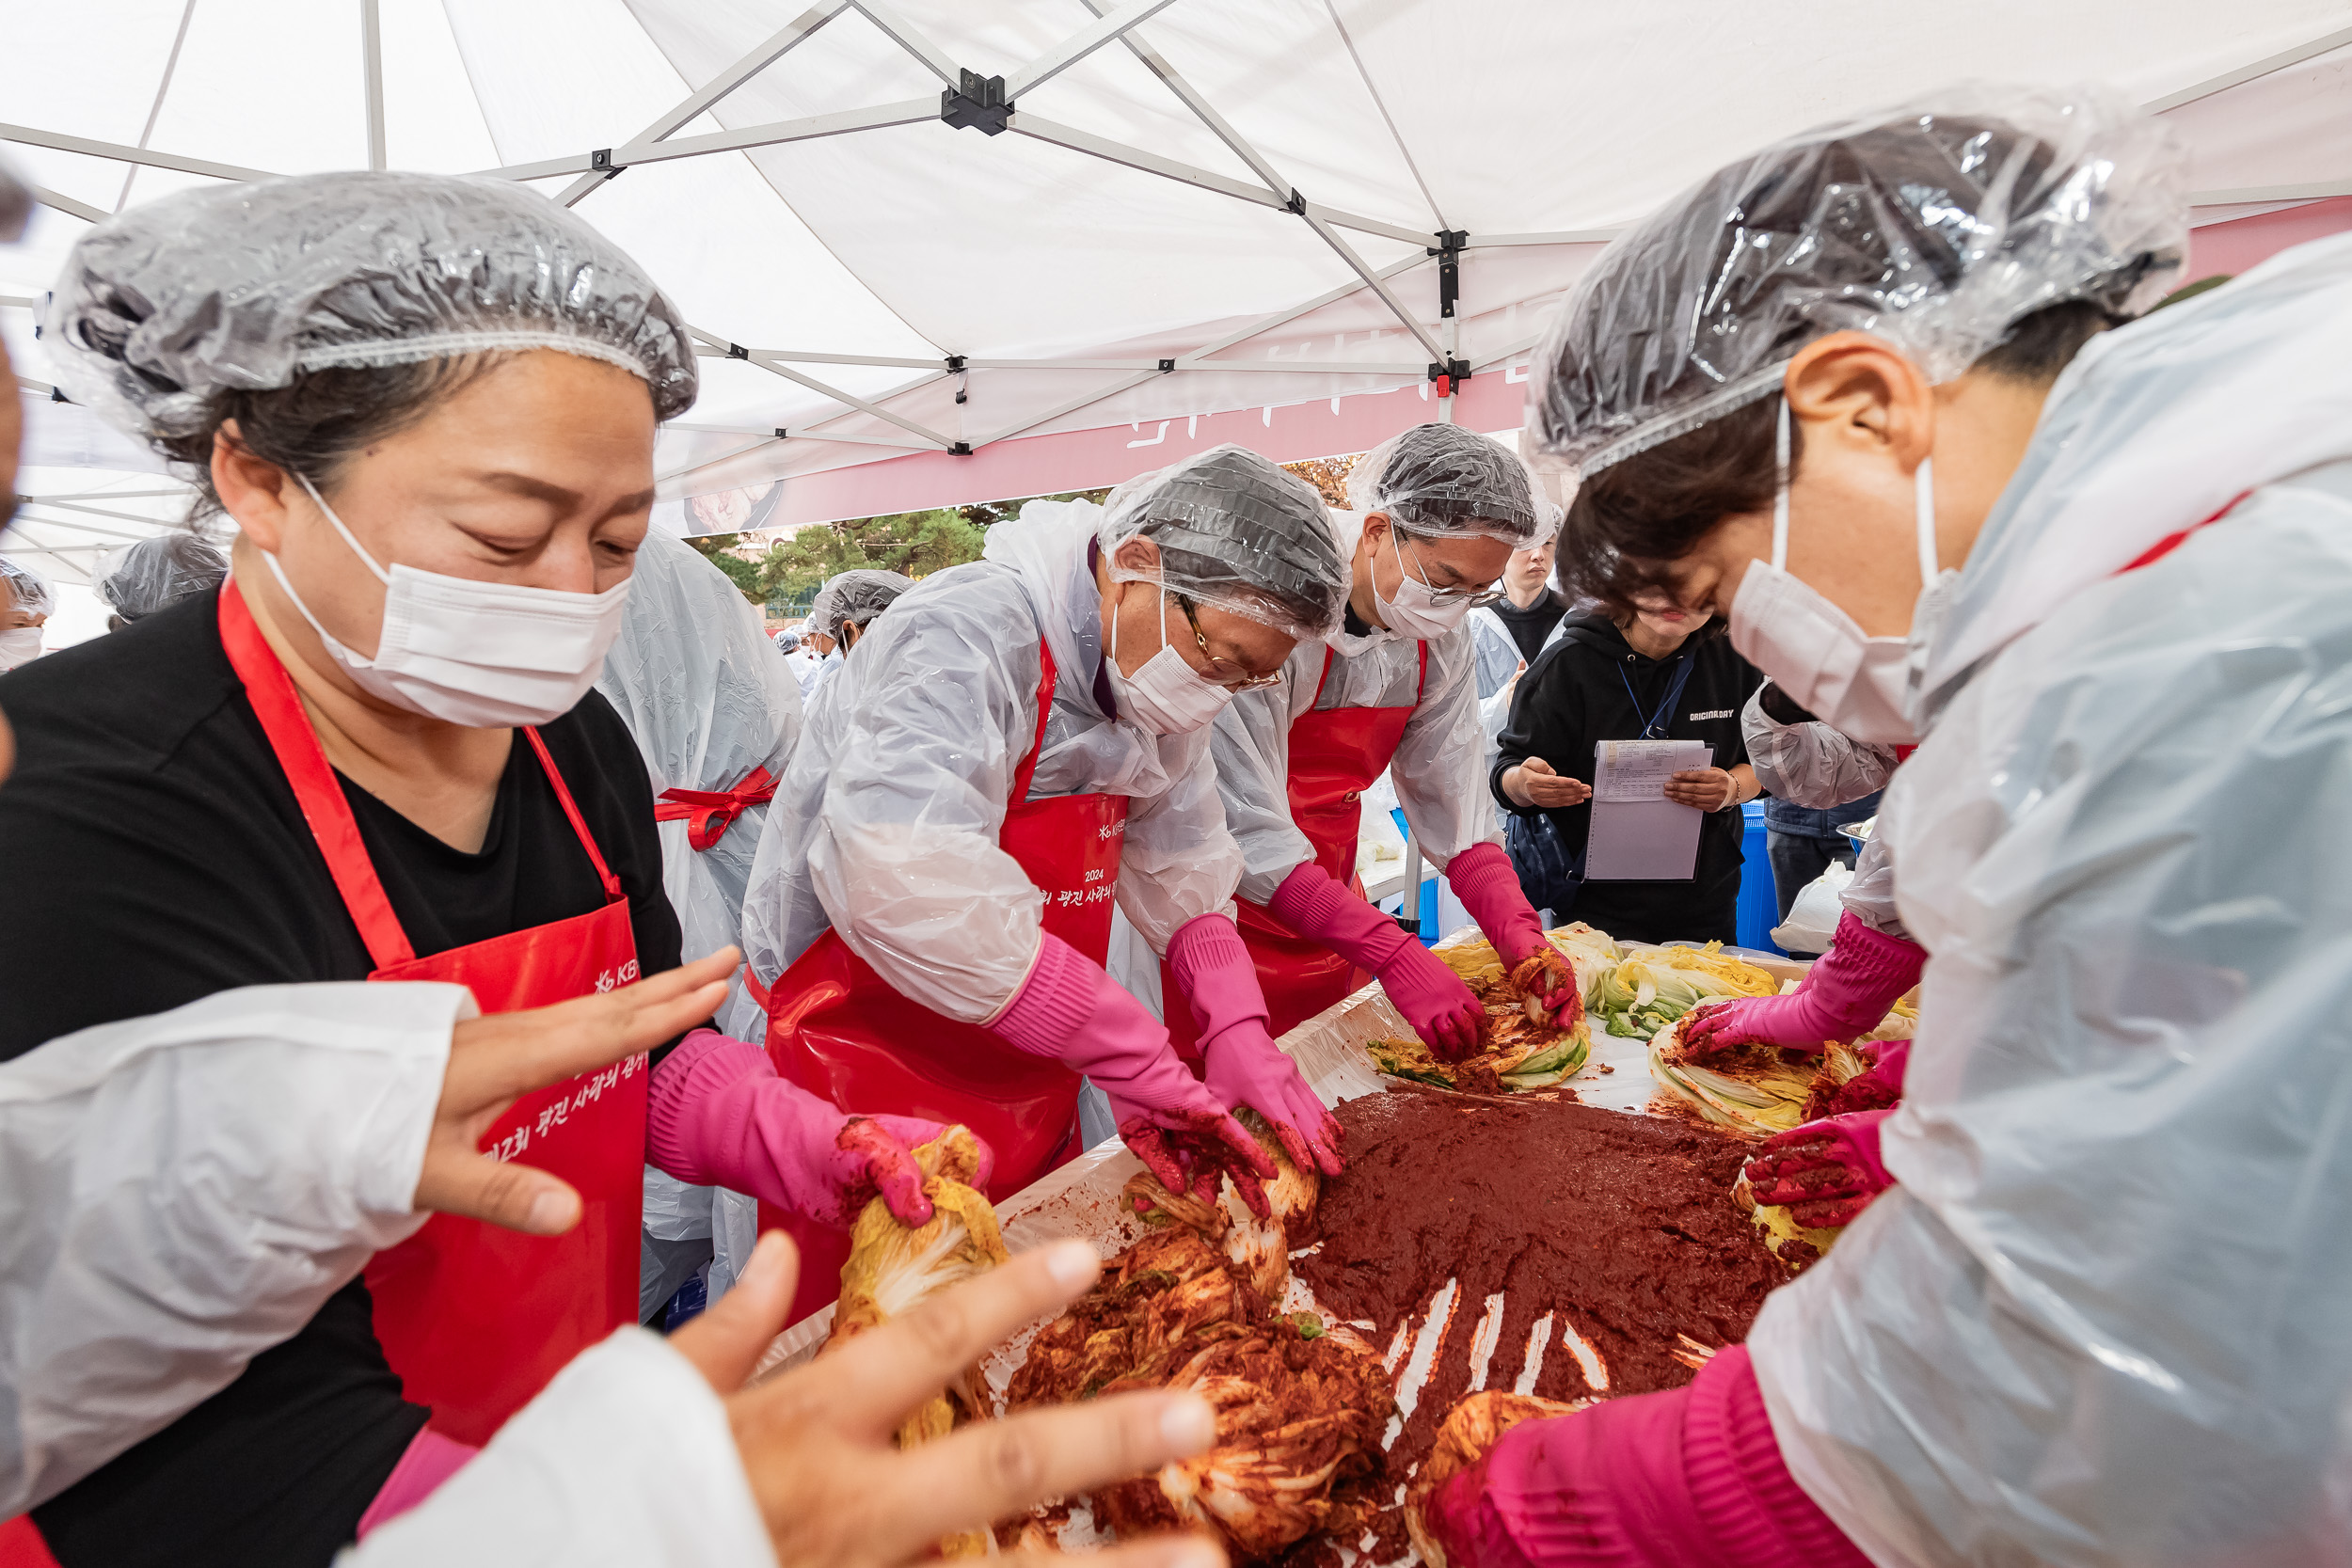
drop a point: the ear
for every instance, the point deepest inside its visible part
(1138, 555)
(1853, 389)
(253, 490)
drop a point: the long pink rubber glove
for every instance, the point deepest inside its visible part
(1071, 1011)
(1684, 1478)
(1483, 878)
(1243, 1065)
(718, 1116)
(1847, 994)
(1826, 1172)
(1432, 997)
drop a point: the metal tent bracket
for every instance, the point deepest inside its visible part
(979, 105)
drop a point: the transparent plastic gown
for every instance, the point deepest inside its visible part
(2106, 1316)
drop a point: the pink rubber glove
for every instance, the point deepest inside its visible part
(1684, 1477)
(1071, 1011)
(1847, 994)
(718, 1116)
(1876, 1087)
(1483, 878)
(1243, 1065)
(1825, 1172)
(1432, 997)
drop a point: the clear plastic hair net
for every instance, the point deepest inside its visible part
(1440, 479)
(30, 589)
(1235, 532)
(1936, 227)
(153, 573)
(854, 598)
(250, 286)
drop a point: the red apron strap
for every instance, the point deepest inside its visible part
(571, 809)
(1027, 770)
(1325, 677)
(2171, 542)
(1420, 682)
(712, 811)
(279, 707)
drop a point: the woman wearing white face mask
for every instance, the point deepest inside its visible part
(373, 755)
(2103, 1318)
(1015, 744)
(1437, 512)
(24, 606)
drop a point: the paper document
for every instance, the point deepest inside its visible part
(1638, 834)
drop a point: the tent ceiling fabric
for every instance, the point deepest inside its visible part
(1056, 240)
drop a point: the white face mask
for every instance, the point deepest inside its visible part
(484, 655)
(1416, 610)
(1863, 688)
(19, 645)
(1165, 695)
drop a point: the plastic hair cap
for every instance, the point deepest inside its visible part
(1936, 226)
(1236, 532)
(250, 286)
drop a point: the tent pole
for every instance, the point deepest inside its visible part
(1079, 46)
(774, 48)
(903, 33)
(371, 51)
(120, 154)
(63, 203)
(2264, 67)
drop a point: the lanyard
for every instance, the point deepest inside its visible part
(1654, 726)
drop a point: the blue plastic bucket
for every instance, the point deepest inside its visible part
(1759, 901)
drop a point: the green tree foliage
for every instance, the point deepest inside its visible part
(743, 573)
(915, 543)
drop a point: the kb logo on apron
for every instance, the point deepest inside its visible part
(625, 975)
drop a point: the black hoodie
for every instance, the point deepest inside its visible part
(1574, 696)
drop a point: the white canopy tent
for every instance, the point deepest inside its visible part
(953, 250)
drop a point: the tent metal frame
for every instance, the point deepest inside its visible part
(991, 106)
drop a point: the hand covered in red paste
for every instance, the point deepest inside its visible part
(1825, 1173)
(1244, 1067)
(718, 1116)
(1187, 1151)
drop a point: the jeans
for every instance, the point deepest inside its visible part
(1798, 859)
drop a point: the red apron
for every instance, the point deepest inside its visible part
(840, 1030)
(476, 1319)
(1336, 754)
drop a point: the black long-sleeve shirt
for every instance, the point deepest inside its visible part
(155, 855)
(1582, 690)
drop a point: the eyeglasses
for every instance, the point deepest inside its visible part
(1224, 672)
(1474, 598)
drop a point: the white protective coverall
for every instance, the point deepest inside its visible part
(884, 827)
(709, 700)
(1438, 770)
(2106, 1316)
(141, 1270)
(1809, 764)
(183, 1192)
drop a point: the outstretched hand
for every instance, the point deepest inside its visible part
(817, 1443)
(494, 1061)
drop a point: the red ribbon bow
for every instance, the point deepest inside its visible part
(710, 813)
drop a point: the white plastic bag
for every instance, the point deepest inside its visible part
(1812, 918)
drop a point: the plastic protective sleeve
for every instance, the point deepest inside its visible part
(1810, 764)
(2122, 1118)
(1439, 769)
(182, 1191)
(627, 1457)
